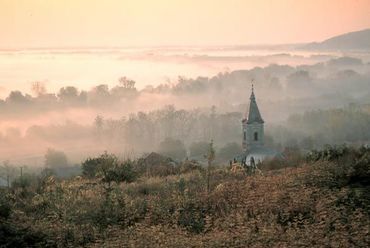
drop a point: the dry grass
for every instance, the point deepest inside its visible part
(289, 207)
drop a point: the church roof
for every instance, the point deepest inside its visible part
(254, 113)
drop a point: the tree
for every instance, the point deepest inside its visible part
(90, 167)
(210, 158)
(198, 148)
(172, 148)
(8, 172)
(38, 88)
(126, 83)
(229, 151)
(299, 79)
(55, 159)
(69, 95)
(99, 123)
(16, 97)
(109, 169)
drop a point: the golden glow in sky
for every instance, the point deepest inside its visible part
(59, 23)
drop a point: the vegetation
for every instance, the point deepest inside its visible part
(55, 159)
(320, 201)
(172, 148)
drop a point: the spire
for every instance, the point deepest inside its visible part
(254, 113)
(252, 95)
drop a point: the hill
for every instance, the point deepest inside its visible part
(322, 201)
(359, 40)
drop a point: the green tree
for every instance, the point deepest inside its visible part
(55, 159)
(229, 151)
(172, 148)
(198, 148)
(109, 169)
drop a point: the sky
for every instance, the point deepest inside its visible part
(87, 23)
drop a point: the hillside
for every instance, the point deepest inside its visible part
(322, 201)
(359, 40)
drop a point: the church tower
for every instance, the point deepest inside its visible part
(253, 131)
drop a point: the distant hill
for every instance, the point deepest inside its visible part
(359, 40)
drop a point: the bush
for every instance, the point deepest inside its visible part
(55, 159)
(90, 166)
(11, 236)
(340, 166)
(198, 149)
(120, 172)
(5, 207)
(229, 151)
(192, 217)
(172, 148)
(109, 168)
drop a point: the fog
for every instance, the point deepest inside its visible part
(127, 101)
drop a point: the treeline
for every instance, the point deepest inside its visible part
(70, 96)
(312, 129)
(180, 133)
(146, 130)
(346, 77)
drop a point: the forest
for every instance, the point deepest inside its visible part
(129, 121)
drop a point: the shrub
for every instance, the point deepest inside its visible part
(5, 207)
(172, 148)
(55, 159)
(120, 172)
(229, 151)
(198, 149)
(109, 168)
(90, 167)
(192, 217)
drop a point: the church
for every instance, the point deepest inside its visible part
(253, 136)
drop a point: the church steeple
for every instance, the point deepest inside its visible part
(253, 131)
(254, 113)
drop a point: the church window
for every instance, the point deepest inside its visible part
(255, 136)
(245, 135)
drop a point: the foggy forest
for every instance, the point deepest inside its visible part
(146, 143)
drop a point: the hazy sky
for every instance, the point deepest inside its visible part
(38, 23)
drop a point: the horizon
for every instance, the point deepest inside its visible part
(260, 45)
(26, 24)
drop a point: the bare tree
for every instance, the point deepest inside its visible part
(38, 88)
(127, 83)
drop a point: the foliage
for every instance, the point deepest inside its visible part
(55, 159)
(109, 168)
(198, 149)
(91, 166)
(172, 148)
(5, 206)
(229, 151)
(324, 203)
(119, 172)
(345, 166)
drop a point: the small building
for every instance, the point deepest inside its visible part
(253, 136)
